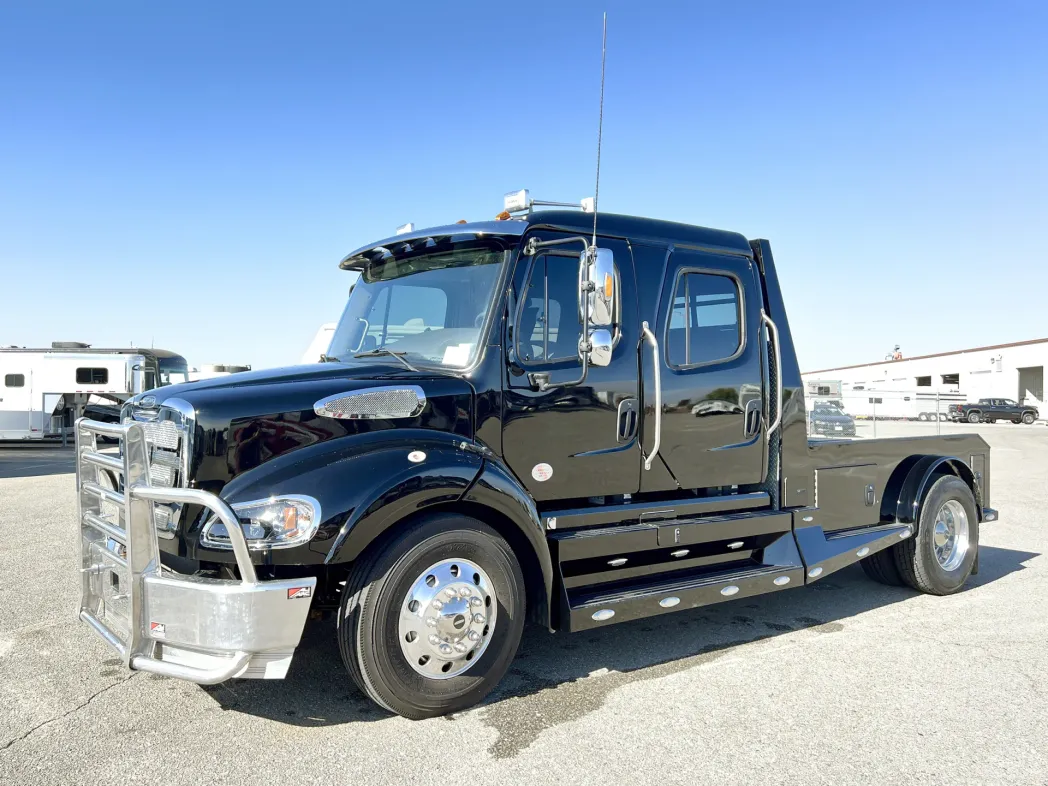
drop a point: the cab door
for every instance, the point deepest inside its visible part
(711, 350)
(575, 441)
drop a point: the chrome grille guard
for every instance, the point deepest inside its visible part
(192, 628)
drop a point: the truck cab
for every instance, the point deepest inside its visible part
(542, 417)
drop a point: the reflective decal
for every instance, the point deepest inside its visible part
(299, 592)
(158, 629)
(542, 472)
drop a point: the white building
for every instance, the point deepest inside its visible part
(1013, 371)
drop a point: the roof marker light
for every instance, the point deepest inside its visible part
(589, 205)
(516, 200)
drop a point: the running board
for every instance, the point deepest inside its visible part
(823, 553)
(634, 602)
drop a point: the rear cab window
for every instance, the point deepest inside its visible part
(705, 324)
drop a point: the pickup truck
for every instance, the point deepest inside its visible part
(990, 410)
(537, 418)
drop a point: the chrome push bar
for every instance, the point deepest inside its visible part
(198, 629)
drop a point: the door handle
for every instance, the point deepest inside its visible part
(628, 419)
(754, 408)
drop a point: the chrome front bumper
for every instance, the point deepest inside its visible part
(192, 628)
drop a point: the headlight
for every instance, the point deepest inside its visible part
(275, 523)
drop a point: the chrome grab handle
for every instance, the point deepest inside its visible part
(220, 508)
(774, 331)
(650, 338)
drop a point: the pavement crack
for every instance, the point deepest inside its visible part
(29, 732)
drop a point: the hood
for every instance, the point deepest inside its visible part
(243, 420)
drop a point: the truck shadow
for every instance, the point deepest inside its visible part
(561, 677)
(20, 460)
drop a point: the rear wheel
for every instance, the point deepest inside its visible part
(1028, 418)
(881, 568)
(973, 417)
(432, 618)
(922, 417)
(940, 558)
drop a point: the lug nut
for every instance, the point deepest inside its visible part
(431, 621)
(478, 618)
(438, 605)
(460, 647)
(476, 602)
(474, 636)
(450, 592)
(464, 592)
(433, 639)
(445, 649)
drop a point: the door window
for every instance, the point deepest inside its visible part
(14, 380)
(705, 323)
(549, 326)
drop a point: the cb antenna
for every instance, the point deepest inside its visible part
(600, 124)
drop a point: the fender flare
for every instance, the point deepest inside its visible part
(913, 478)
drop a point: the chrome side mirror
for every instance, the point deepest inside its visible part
(600, 342)
(597, 278)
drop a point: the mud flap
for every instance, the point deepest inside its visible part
(823, 553)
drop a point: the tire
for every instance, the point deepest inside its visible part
(991, 420)
(974, 417)
(369, 620)
(1028, 418)
(942, 418)
(881, 567)
(922, 417)
(916, 559)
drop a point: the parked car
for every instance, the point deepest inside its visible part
(990, 410)
(831, 421)
(531, 453)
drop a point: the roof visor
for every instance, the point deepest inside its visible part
(434, 240)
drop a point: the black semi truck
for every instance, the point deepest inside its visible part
(536, 418)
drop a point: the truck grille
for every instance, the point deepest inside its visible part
(168, 431)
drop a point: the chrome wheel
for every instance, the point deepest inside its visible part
(446, 618)
(950, 535)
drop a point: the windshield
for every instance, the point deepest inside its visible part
(172, 377)
(430, 308)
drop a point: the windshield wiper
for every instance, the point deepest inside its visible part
(374, 353)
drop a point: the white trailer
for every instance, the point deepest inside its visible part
(43, 391)
(899, 404)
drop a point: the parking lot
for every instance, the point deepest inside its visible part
(843, 681)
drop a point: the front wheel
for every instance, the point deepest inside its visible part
(940, 558)
(432, 618)
(1028, 418)
(973, 417)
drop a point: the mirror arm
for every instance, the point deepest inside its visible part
(534, 245)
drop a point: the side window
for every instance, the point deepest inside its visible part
(549, 327)
(92, 376)
(706, 321)
(14, 380)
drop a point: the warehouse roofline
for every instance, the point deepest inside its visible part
(923, 357)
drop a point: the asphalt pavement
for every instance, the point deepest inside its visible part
(845, 681)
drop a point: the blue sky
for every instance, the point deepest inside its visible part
(190, 174)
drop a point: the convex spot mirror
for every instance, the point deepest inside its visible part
(597, 275)
(600, 342)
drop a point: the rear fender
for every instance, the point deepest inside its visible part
(913, 478)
